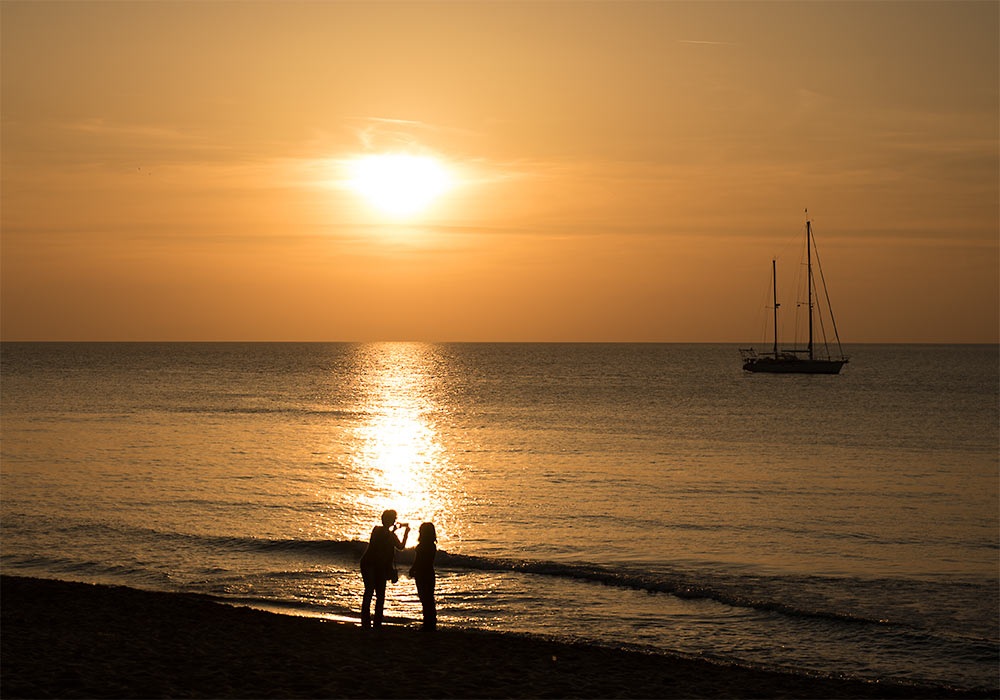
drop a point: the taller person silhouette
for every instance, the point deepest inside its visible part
(377, 565)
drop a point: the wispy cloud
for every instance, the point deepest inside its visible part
(704, 42)
(103, 127)
(387, 120)
(388, 132)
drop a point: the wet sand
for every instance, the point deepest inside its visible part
(61, 639)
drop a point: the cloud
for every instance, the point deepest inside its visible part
(707, 43)
(104, 128)
(397, 121)
(387, 132)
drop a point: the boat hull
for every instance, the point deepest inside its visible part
(785, 365)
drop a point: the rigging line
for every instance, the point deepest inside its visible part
(818, 312)
(826, 291)
(763, 325)
(784, 245)
(800, 287)
(762, 333)
(822, 327)
(762, 310)
(788, 245)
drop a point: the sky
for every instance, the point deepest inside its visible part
(599, 171)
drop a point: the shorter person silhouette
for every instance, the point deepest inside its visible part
(377, 565)
(422, 572)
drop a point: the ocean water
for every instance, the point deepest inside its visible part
(636, 495)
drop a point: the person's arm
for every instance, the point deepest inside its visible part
(421, 565)
(416, 562)
(406, 533)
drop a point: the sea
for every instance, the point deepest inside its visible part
(643, 496)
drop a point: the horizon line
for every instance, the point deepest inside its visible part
(489, 342)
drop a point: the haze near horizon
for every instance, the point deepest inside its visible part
(495, 171)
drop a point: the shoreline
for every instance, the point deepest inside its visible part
(62, 639)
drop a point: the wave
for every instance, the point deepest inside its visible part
(88, 569)
(779, 596)
(677, 584)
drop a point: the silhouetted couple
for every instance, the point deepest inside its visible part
(378, 567)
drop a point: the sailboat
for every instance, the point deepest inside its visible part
(798, 360)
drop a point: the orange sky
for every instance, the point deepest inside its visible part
(621, 172)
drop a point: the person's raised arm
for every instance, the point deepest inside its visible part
(406, 533)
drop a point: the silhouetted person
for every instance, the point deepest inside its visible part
(422, 572)
(377, 565)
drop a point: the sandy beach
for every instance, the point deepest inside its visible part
(64, 639)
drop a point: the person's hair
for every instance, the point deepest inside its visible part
(427, 533)
(388, 517)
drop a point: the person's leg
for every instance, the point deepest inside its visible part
(425, 591)
(431, 616)
(366, 604)
(379, 601)
(422, 595)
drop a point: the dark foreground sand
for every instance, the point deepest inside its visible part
(62, 639)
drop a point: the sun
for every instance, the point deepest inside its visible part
(398, 184)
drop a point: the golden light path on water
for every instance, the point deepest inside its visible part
(398, 453)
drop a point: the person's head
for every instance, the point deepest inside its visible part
(427, 533)
(388, 517)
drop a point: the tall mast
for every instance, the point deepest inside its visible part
(774, 288)
(809, 282)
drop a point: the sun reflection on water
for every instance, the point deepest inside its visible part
(398, 452)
